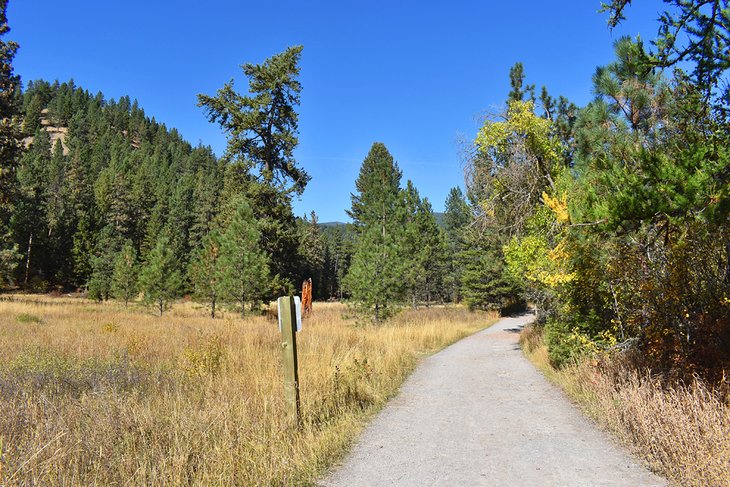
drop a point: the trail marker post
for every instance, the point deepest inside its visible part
(290, 322)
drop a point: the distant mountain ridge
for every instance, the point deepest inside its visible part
(438, 215)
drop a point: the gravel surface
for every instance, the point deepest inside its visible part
(478, 413)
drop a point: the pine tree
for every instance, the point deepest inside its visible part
(28, 221)
(414, 254)
(433, 254)
(275, 219)
(206, 196)
(159, 279)
(243, 263)
(516, 81)
(107, 247)
(374, 279)
(262, 128)
(339, 241)
(457, 218)
(485, 284)
(206, 271)
(10, 148)
(124, 278)
(180, 219)
(694, 34)
(114, 200)
(54, 197)
(312, 249)
(32, 119)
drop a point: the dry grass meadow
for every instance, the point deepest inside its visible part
(95, 394)
(683, 432)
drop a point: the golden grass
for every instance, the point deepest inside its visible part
(683, 432)
(95, 394)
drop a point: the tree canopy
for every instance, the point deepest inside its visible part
(262, 127)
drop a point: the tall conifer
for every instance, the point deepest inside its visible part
(124, 278)
(244, 265)
(9, 145)
(206, 271)
(374, 279)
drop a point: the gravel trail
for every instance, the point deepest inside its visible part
(478, 413)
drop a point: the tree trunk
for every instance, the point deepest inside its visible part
(243, 307)
(377, 313)
(212, 308)
(160, 303)
(27, 260)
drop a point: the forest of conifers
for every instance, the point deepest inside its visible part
(612, 219)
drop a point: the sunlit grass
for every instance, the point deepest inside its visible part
(96, 394)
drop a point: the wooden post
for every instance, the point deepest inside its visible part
(288, 320)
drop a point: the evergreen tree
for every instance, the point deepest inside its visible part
(485, 284)
(160, 279)
(244, 265)
(262, 128)
(548, 104)
(180, 219)
(124, 278)
(457, 218)
(374, 280)
(33, 114)
(432, 255)
(411, 244)
(114, 201)
(313, 251)
(103, 262)
(339, 241)
(424, 249)
(206, 197)
(517, 82)
(206, 271)
(275, 219)
(10, 147)
(694, 33)
(28, 221)
(55, 204)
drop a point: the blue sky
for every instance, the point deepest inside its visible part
(417, 76)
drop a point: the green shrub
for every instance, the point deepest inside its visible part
(28, 318)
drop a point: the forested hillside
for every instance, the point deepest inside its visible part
(99, 174)
(116, 176)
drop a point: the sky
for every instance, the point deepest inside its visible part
(417, 76)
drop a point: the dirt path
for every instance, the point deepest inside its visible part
(478, 413)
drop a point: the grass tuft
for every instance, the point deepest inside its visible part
(28, 318)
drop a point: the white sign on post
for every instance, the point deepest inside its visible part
(298, 305)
